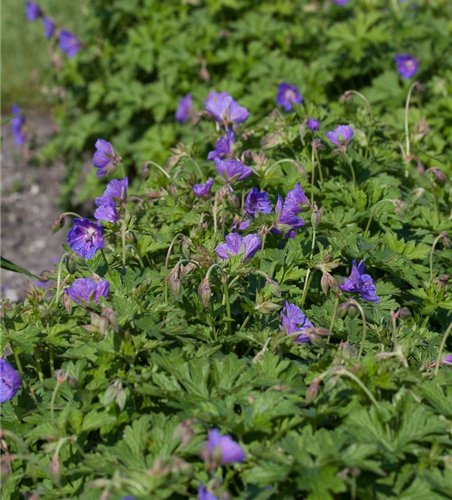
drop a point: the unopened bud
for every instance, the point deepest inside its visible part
(417, 194)
(352, 311)
(404, 313)
(185, 245)
(204, 292)
(70, 263)
(327, 282)
(266, 307)
(184, 432)
(304, 206)
(315, 217)
(313, 391)
(446, 240)
(112, 318)
(145, 170)
(274, 287)
(67, 302)
(342, 310)
(271, 140)
(175, 282)
(60, 376)
(233, 200)
(440, 176)
(55, 468)
(186, 270)
(58, 224)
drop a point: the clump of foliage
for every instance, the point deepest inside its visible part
(221, 295)
(138, 58)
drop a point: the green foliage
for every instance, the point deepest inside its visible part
(139, 57)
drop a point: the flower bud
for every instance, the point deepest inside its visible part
(234, 201)
(58, 224)
(315, 217)
(184, 432)
(204, 292)
(186, 270)
(304, 206)
(313, 391)
(342, 310)
(67, 303)
(271, 140)
(446, 240)
(417, 194)
(440, 176)
(60, 376)
(327, 282)
(185, 245)
(266, 307)
(404, 313)
(274, 287)
(70, 263)
(55, 468)
(352, 311)
(145, 170)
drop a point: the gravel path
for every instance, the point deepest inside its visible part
(29, 197)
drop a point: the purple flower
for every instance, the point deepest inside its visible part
(407, 65)
(69, 43)
(340, 2)
(116, 192)
(107, 212)
(236, 245)
(360, 283)
(313, 124)
(286, 217)
(341, 136)
(225, 109)
(224, 148)
(448, 360)
(104, 158)
(224, 448)
(85, 237)
(257, 201)
(49, 27)
(87, 290)
(17, 126)
(9, 381)
(296, 200)
(287, 96)
(203, 189)
(294, 321)
(184, 109)
(32, 11)
(203, 494)
(232, 170)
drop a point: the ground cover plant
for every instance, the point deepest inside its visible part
(269, 321)
(264, 314)
(136, 59)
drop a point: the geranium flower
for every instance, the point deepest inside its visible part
(104, 158)
(360, 283)
(341, 136)
(232, 170)
(107, 212)
(224, 148)
(257, 201)
(69, 43)
(407, 65)
(222, 448)
(294, 321)
(17, 126)
(225, 109)
(340, 2)
(87, 290)
(287, 96)
(184, 109)
(236, 245)
(85, 237)
(115, 191)
(49, 27)
(203, 494)
(313, 124)
(9, 381)
(286, 217)
(32, 11)
(203, 190)
(296, 200)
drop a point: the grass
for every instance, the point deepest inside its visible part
(24, 50)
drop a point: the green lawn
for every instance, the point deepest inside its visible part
(24, 55)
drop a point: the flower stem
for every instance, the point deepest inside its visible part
(223, 216)
(312, 176)
(407, 130)
(364, 330)
(105, 259)
(352, 170)
(431, 256)
(52, 402)
(441, 348)
(52, 358)
(372, 213)
(38, 365)
(307, 282)
(228, 305)
(159, 167)
(57, 293)
(264, 236)
(213, 323)
(123, 239)
(319, 164)
(168, 255)
(333, 318)
(345, 372)
(364, 98)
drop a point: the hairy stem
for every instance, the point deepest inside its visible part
(432, 250)
(168, 255)
(441, 348)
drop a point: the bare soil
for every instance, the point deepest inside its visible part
(29, 196)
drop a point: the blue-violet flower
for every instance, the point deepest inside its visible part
(225, 109)
(294, 321)
(184, 109)
(287, 96)
(9, 381)
(224, 148)
(203, 190)
(341, 136)
(85, 237)
(17, 126)
(87, 290)
(32, 11)
(236, 245)
(360, 283)
(407, 65)
(69, 43)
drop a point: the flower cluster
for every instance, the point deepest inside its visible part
(68, 42)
